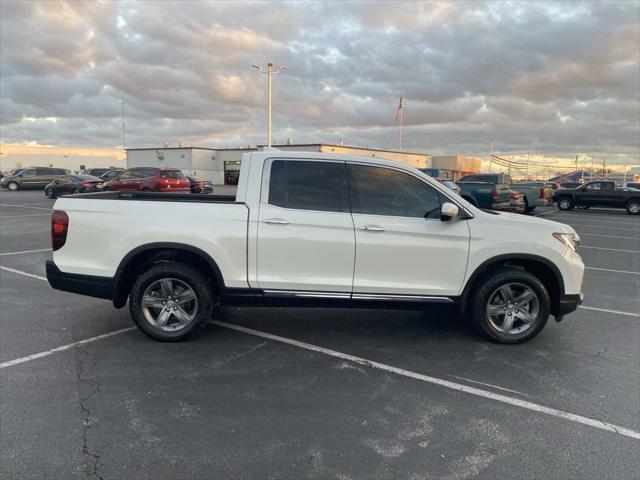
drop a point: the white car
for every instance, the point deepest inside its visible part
(313, 229)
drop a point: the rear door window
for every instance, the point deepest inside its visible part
(176, 174)
(28, 173)
(390, 192)
(308, 185)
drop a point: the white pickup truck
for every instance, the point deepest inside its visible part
(309, 229)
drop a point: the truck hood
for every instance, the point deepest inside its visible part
(526, 221)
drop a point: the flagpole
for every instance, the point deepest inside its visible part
(400, 118)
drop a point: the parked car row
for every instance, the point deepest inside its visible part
(59, 181)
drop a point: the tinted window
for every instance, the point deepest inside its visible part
(43, 171)
(58, 171)
(592, 186)
(144, 173)
(127, 175)
(384, 191)
(308, 185)
(172, 174)
(608, 186)
(28, 173)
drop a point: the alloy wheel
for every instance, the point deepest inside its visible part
(169, 304)
(564, 204)
(13, 186)
(513, 308)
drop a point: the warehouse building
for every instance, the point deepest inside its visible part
(222, 165)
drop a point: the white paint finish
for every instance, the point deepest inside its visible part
(606, 310)
(20, 272)
(610, 249)
(46, 353)
(24, 206)
(313, 251)
(412, 256)
(116, 227)
(25, 216)
(508, 233)
(614, 271)
(26, 251)
(516, 402)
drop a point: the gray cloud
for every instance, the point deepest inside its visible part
(556, 77)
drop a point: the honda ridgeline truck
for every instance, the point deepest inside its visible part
(312, 229)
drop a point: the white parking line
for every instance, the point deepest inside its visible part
(591, 422)
(20, 272)
(610, 249)
(46, 353)
(26, 251)
(23, 216)
(545, 213)
(608, 236)
(614, 271)
(24, 206)
(606, 310)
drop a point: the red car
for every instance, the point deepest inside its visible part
(151, 180)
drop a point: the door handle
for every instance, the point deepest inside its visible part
(276, 221)
(372, 228)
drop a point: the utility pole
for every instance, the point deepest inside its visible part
(399, 117)
(124, 144)
(269, 71)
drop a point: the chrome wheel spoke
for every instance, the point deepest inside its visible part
(152, 302)
(507, 293)
(495, 309)
(182, 316)
(507, 323)
(184, 297)
(166, 287)
(525, 316)
(163, 317)
(524, 298)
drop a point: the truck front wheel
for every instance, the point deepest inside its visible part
(633, 207)
(171, 301)
(565, 203)
(510, 305)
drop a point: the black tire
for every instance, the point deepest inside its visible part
(192, 277)
(582, 207)
(75, 191)
(49, 193)
(565, 203)
(13, 186)
(487, 285)
(527, 208)
(633, 206)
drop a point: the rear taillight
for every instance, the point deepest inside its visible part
(542, 192)
(59, 227)
(494, 193)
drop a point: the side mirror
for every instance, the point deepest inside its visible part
(449, 211)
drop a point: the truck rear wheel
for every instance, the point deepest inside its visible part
(171, 301)
(509, 305)
(565, 203)
(633, 207)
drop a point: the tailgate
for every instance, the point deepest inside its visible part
(501, 193)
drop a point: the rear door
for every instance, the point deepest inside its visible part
(593, 195)
(305, 238)
(402, 246)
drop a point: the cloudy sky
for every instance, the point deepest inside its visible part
(555, 78)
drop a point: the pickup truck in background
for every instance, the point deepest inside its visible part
(536, 195)
(290, 237)
(482, 194)
(599, 194)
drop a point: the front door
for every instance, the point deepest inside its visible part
(402, 246)
(305, 231)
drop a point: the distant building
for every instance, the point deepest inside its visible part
(459, 165)
(222, 165)
(73, 158)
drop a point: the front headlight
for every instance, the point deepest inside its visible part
(571, 240)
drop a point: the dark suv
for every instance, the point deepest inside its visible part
(32, 177)
(150, 179)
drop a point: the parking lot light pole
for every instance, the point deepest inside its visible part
(269, 71)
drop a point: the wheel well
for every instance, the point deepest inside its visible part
(545, 273)
(137, 262)
(633, 199)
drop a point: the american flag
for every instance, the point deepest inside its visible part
(399, 107)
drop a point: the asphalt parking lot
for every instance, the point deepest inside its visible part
(279, 393)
